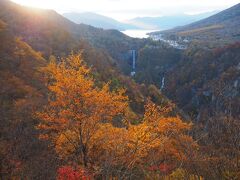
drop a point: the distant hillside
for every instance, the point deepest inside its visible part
(164, 22)
(51, 33)
(97, 20)
(167, 22)
(221, 28)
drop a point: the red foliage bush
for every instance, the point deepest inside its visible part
(69, 173)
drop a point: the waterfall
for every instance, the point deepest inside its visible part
(133, 52)
(162, 83)
(134, 60)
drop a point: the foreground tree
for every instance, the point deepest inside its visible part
(153, 148)
(77, 108)
(79, 120)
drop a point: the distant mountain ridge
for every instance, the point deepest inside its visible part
(223, 27)
(48, 33)
(167, 22)
(98, 21)
(34, 25)
(226, 16)
(52, 34)
(147, 23)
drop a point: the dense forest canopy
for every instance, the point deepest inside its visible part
(69, 108)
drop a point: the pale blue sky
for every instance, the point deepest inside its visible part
(126, 9)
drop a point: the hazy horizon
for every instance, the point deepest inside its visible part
(122, 9)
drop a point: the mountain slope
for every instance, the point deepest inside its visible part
(221, 28)
(36, 24)
(167, 22)
(51, 33)
(97, 20)
(21, 92)
(164, 22)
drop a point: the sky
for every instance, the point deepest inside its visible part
(127, 9)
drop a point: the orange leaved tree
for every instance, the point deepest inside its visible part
(155, 147)
(77, 109)
(78, 119)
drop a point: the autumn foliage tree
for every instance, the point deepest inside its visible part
(77, 108)
(78, 119)
(154, 147)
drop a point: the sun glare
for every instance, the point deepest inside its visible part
(34, 4)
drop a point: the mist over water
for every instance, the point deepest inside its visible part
(138, 33)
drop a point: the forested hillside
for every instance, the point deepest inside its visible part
(217, 30)
(23, 92)
(203, 81)
(25, 152)
(45, 30)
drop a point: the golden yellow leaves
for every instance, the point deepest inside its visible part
(76, 107)
(66, 143)
(78, 119)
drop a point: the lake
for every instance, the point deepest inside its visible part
(138, 33)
